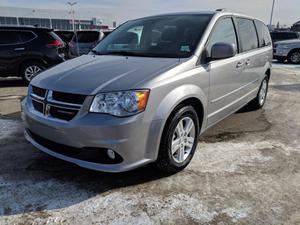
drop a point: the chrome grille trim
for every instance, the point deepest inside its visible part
(49, 102)
(37, 97)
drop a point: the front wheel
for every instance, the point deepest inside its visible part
(294, 57)
(179, 140)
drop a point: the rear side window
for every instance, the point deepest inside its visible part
(87, 37)
(9, 37)
(224, 32)
(247, 33)
(65, 36)
(27, 36)
(284, 35)
(55, 36)
(264, 38)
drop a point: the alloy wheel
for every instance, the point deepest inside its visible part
(263, 92)
(31, 72)
(183, 140)
(295, 57)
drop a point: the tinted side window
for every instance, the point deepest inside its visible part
(263, 34)
(291, 35)
(247, 34)
(223, 31)
(9, 37)
(26, 36)
(87, 37)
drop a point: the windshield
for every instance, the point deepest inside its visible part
(172, 36)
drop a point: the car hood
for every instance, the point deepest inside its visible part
(91, 74)
(292, 41)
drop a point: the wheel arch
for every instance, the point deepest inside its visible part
(293, 50)
(183, 95)
(268, 73)
(31, 59)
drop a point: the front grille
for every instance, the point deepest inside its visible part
(39, 91)
(38, 106)
(89, 154)
(54, 104)
(69, 98)
(62, 113)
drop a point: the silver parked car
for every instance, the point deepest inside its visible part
(148, 90)
(287, 50)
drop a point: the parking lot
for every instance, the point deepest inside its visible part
(246, 170)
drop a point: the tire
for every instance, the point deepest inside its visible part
(30, 69)
(261, 97)
(294, 57)
(167, 161)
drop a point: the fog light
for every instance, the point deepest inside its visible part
(111, 154)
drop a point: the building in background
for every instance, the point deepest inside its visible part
(56, 19)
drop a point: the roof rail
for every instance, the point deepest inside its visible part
(221, 10)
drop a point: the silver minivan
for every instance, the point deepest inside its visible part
(147, 91)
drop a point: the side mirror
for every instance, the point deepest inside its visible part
(222, 51)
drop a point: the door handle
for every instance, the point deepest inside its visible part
(248, 62)
(19, 49)
(239, 65)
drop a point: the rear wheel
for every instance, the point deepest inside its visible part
(294, 57)
(261, 97)
(179, 140)
(30, 70)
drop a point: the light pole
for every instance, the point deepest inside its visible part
(71, 4)
(271, 19)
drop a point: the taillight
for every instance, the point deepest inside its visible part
(55, 43)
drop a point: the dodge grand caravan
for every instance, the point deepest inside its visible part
(147, 91)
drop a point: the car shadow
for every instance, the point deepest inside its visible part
(12, 82)
(32, 181)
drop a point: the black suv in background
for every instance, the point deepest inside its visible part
(26, 51)
(284, 35)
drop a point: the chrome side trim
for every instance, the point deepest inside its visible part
(234, 91)
(232, 103)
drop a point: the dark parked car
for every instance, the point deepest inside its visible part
(67, 37)
(84, 41)
(26, 51)
(284, 35)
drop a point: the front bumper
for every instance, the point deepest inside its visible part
(128, 137)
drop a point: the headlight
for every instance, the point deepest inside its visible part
(123, 103)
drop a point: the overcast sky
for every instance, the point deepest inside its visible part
(286, 11)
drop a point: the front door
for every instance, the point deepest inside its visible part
(225, 75)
